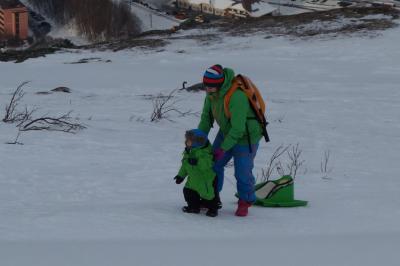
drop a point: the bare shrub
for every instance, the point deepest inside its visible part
(163, 105)
(287, 166)
(12, 115)
(273, 162)
(325, 168)
(62, 123)
(295, 162)
(25, 122)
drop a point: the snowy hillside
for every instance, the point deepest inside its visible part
(153, 20)
(106, 196)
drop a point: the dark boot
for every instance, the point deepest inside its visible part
(203, 204)
(212, 206)
(212, 213)
(193, 201)
(188, 209)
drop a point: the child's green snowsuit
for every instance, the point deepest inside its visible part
(200, 176)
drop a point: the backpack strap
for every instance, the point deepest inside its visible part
(248, 138)
(236, 84)
(227, 98)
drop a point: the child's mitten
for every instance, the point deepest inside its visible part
(219, 154)
(178, 179)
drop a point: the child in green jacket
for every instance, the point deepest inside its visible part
(197, 165)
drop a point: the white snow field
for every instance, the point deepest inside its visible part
(106, 195)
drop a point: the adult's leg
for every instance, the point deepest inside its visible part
(220, 165)
(244, 164)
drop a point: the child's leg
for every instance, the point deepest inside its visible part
(192, 198)
(212, 206)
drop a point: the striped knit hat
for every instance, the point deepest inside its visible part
(214, 77)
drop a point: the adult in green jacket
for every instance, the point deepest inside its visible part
(238, 136)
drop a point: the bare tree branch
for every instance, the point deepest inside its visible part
(165, 104)
(325, 169)
(12, 115)
(272, 164)
(26, 115)
(295, 163)
(292, 163)
(62, 123)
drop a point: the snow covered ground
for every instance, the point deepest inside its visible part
(153, 20)
(106, 195)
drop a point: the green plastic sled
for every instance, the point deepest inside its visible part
(277, 193)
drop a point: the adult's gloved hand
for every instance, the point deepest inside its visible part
(178, 179)
(219, 154)
(192, 161)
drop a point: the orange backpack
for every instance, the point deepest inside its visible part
(255, 99)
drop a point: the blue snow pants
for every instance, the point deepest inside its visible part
(243, 162)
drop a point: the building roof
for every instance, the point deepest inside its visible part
(223, 4)
(6, 4)
(255, 8)
(261, 8)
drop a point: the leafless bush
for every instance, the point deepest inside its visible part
(290, 165)
(273, 162)
(280, 169)
(25, 122)
(295, 162)
(26, 115)
(62, 123)
(325, 169)
(12, 114)
(163, 105)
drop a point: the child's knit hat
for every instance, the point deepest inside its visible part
(198, 137)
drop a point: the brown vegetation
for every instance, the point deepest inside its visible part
(95, 19)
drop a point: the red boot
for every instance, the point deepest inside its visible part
(243, 208)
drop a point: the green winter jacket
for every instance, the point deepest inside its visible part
(200, 176)
(234, 130)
